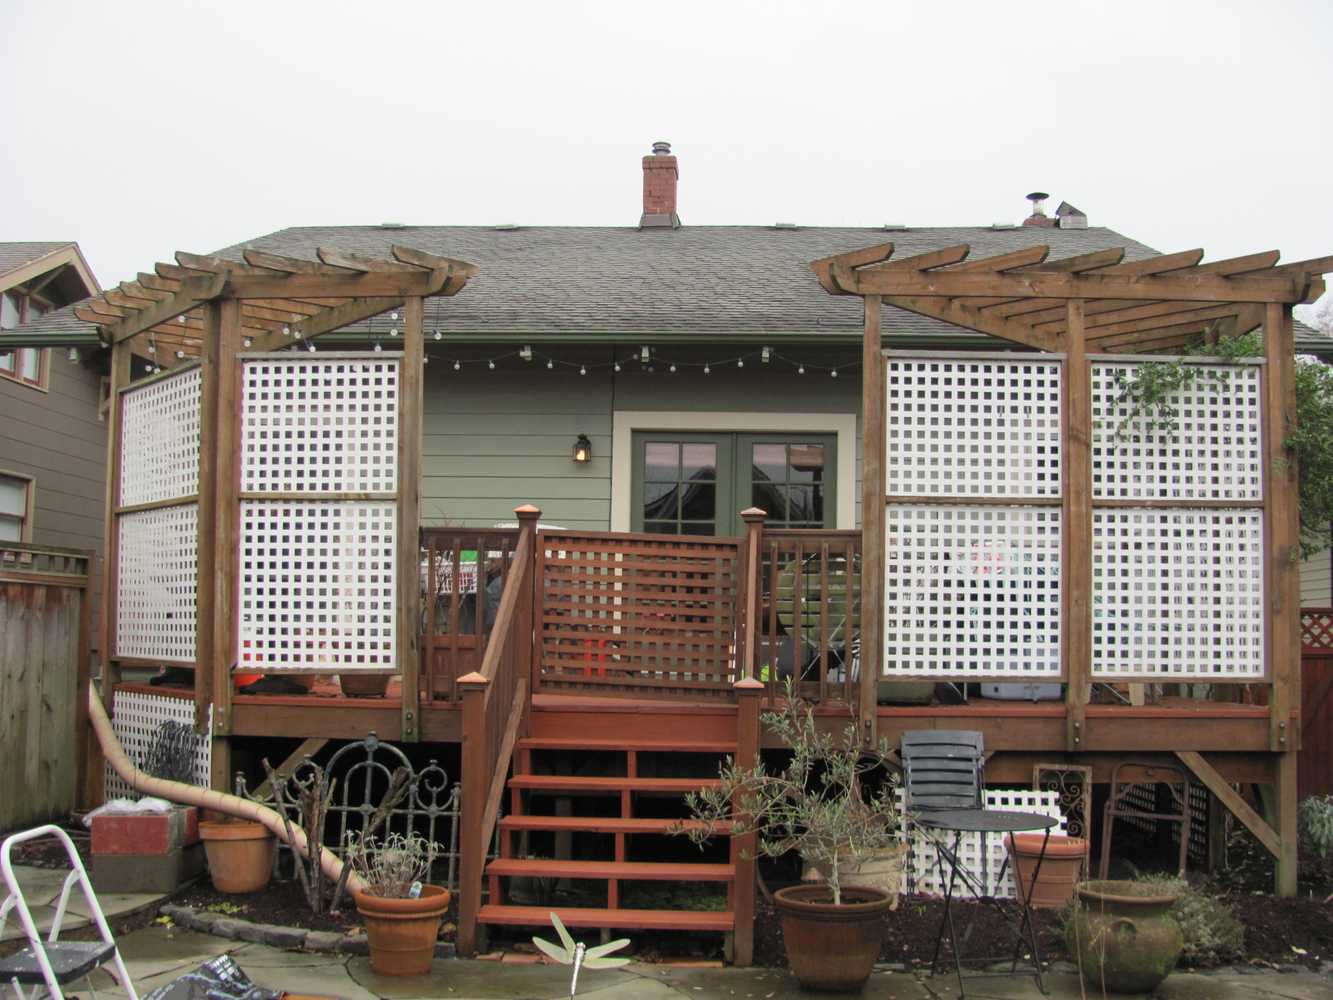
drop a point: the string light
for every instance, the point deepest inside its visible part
(834, 373)
(740, 362)
(672, 369)
(247, 343)
(526, 352)
(286, 331)
(648, 363)
(458, 366)
(393, 315)
(549, 364)
(490, 365)
(765, 354)
(439, 335)
(800, 370)
(582, 369)
(378, 348)
(707, 369)
(616, 366)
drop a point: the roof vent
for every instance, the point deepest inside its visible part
(1069, 217)
(393, 225)
(1038, 217)
(894, 227)
(1003, 225)
(784, 225)
(505, 227)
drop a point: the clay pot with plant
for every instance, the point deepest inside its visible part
(818, 805)
(401, 911)
(240, 854)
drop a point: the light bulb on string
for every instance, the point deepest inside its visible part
(707, 369)
(740, 362)
(549, 364)
(247, 343)
(439, 335)
(834, 373)
(378, 347)
(490, 365)
(286, 331)
(393, 331)
(672, 369)
(393, 315)
(583, 370)
(458, 366)
(800, 369)
(616, 366)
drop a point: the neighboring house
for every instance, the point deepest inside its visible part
(1317, 580)
(52, 431)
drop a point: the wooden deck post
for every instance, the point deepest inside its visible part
(743, 848)
(121, 361)
(476, 783)
(1076, 529)
(872, 515)
(752, 591)
(1282, 561)
(529, 656)
(409, 515)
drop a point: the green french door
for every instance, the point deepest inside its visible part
(697, 483)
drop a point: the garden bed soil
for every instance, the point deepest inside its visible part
(283, 903)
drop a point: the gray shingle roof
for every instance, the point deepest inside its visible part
(15, 255)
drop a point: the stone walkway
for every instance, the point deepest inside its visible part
(157, 955)
(41, 888)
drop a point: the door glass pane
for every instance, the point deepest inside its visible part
(767, 498)
(770, 462)
(787, 481)
(660, 527)
(662, 502)
(800, 503)
(699, 502)
(661, 461)
(698, 461)
(807, 463)
(698, 528)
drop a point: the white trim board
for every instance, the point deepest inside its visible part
(625, 422)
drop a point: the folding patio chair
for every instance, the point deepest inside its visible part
(54, 963)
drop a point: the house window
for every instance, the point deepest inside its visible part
(697, 484)
(28, 365)
(15, 508)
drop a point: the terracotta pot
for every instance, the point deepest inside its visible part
(240, 854)
(832, 947)
(1123, 936)
(1060, 871)
(363, 685)
(402, 932)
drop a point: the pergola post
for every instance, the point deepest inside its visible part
(872, 515)
(410, 377)
(1282, 528)
(1076, 526)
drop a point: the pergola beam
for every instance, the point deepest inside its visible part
(193, 292)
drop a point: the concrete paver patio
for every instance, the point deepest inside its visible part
(156, 955)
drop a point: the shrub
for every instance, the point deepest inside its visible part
(1212, 933)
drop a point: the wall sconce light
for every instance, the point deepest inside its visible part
(582, 449)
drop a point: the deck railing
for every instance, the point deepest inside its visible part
(463, 574)
(496, 699)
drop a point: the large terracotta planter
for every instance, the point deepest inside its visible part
(1123, 935)
(363, 685)
(832, 947)
(1061, 868)
(402, 932)
(240, 854)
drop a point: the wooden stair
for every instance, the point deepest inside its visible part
(533, 789)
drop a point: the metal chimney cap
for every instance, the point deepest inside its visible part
(1037, 196)
(661, 148)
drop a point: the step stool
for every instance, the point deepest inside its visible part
(54, 963)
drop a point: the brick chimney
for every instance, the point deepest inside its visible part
(1039, 217)
(659, 189)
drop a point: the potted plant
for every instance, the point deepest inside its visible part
(1123, 936)
(240, 854)
(816, 805)
(402, 912)
(363, 685)
(1061, 859)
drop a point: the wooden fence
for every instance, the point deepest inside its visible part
(1315, 767)
(45, 625)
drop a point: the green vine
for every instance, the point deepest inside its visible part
(1150, 394)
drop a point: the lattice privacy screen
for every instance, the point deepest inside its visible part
(1178, 594)
(987, 428)
(317, 585)
(159, 440)
(1214, 453)
(972, 591)
(320, 426)
(983, 856)
(155, 599)
(137, 718)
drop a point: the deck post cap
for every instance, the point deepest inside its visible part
(473, 679)
(748, 685)
(528, 512)
(753, 514)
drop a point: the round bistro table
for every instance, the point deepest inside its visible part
(985, 822)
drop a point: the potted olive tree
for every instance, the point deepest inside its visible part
(817, 805)
(402, 912)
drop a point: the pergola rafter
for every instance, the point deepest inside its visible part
(1021, 296)
(281, 299)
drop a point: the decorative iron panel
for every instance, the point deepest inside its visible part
(155, 599)
(159, 440)
(1215, 451)
(320, 426)
(972, 591)
(983, 428)
(1178, 594)
(317, 585)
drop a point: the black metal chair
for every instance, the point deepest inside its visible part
(944, 769)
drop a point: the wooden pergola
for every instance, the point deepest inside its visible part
(210, 311)
(1098, 303)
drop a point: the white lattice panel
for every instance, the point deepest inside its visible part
(1178, 594)
(136, 721)
(972, 591)
(159, 440)
(320, 426)
(982, 856)
(973, 428)
(155, 601)
(1214, 452)
(317, 586)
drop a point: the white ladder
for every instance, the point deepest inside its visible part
(53, 962)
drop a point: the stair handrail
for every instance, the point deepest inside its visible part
(496, 703)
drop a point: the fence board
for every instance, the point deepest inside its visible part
(41, 595)
(1315, 762)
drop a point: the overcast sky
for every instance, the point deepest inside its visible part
(141, 128)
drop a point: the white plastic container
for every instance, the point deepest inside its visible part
(1022, 692)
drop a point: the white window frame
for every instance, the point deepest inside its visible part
(30, 502)
(625, 422)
